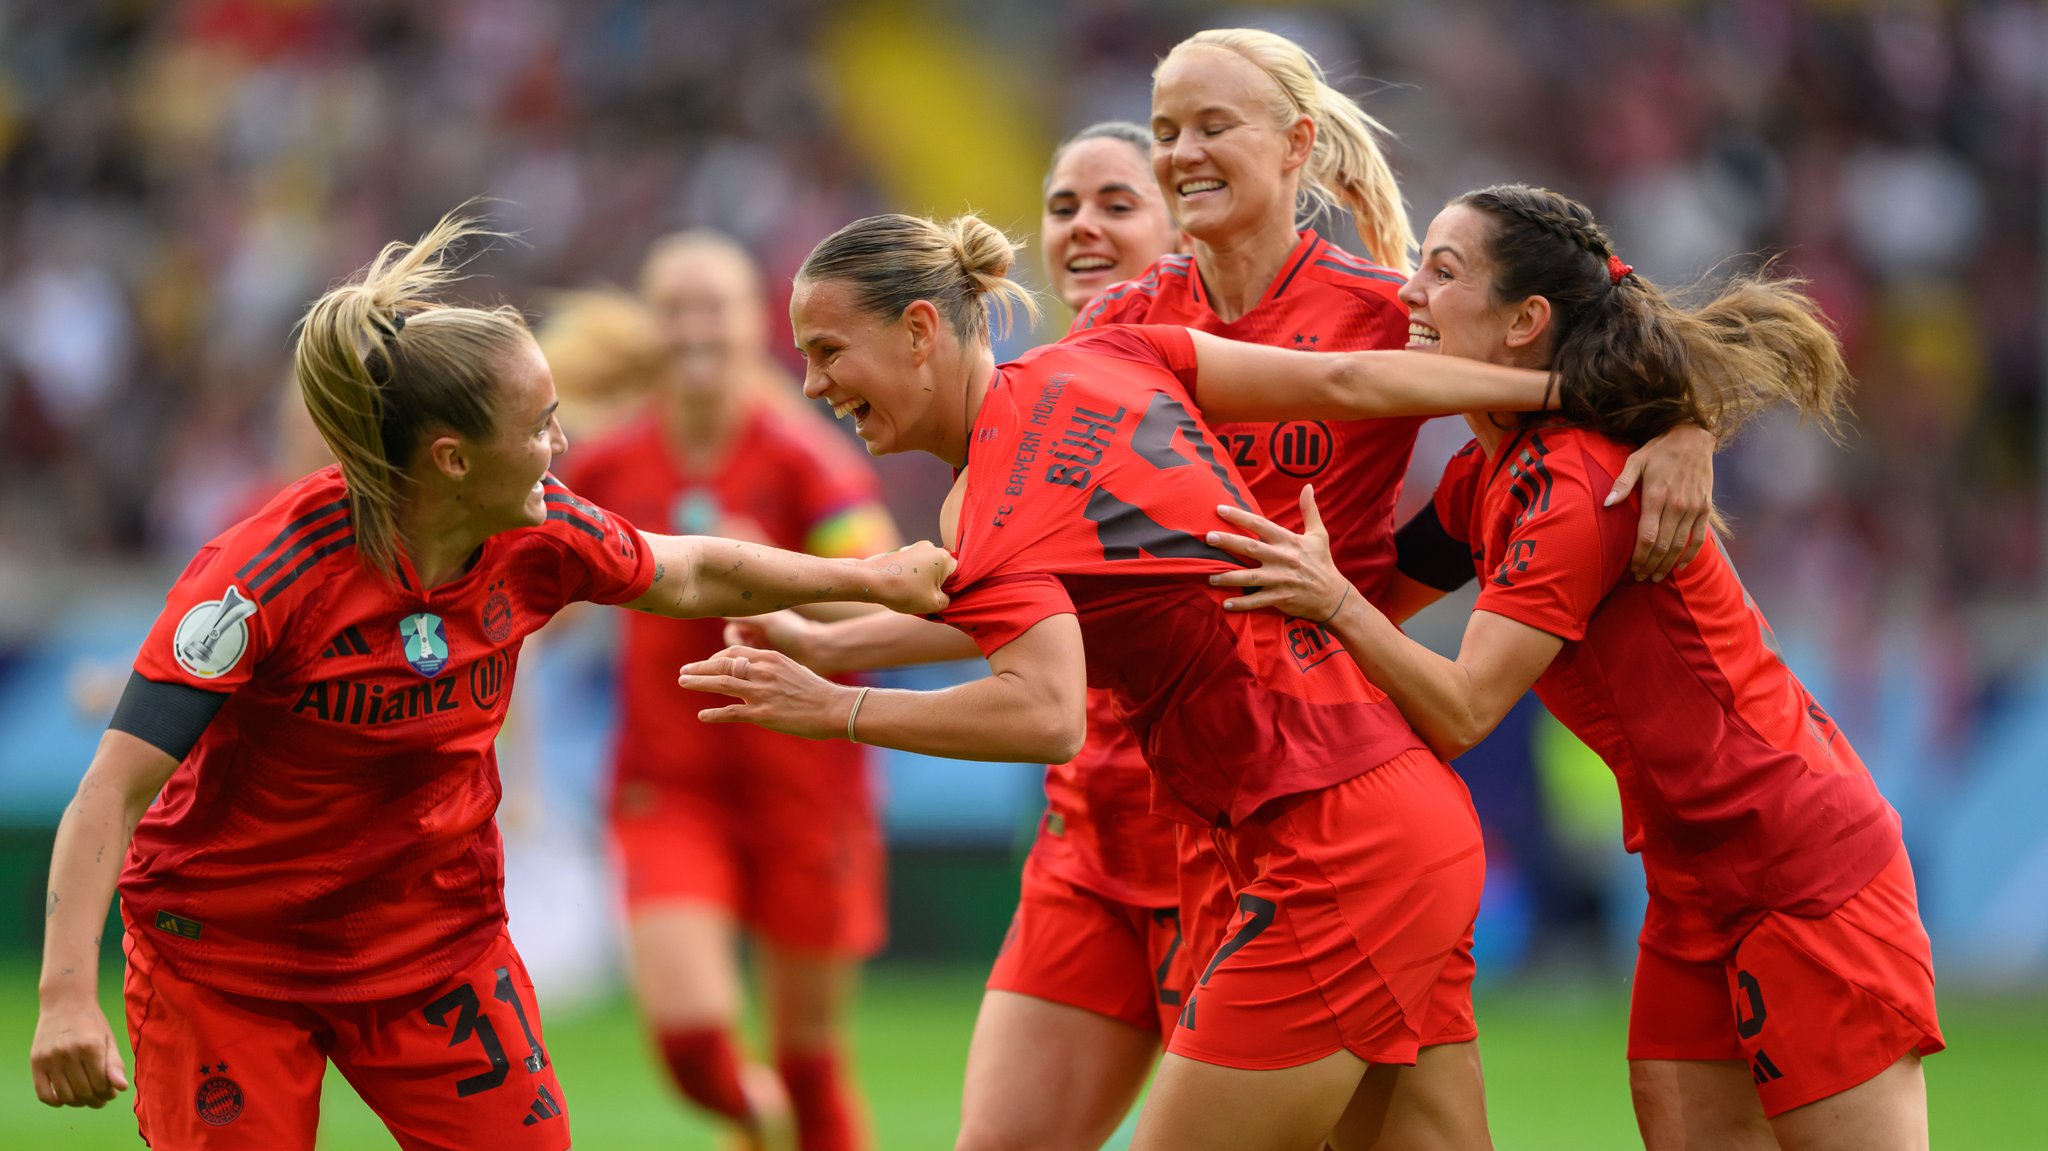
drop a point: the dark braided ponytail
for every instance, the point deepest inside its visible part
(1629, 361)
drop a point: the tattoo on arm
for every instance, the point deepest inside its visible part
(50, 906)
(660, 570)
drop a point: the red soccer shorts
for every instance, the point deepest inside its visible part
(1354, 925)
(789, 845)
(1814, 1006)
(1070, 945)
(458, 1066)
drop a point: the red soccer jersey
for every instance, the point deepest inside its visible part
(1324, 300)
(782, 482)
(330, 836)
(1090, 487)
(1737, 789)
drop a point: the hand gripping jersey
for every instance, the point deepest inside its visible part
(1737, 789)
(1324, 300)
(330, 836)
(781, 482)
(1090, 486)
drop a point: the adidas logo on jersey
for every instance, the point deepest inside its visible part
(544, 1107)
(349, 642)
(1763, 1070)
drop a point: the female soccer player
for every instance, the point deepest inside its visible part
(1086, 482)
(1784, 990)
(717, 829)
(1249, 140)
(322, 878)
(1088, 982)
(1104, 220)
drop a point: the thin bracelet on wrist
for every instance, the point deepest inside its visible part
(1333, 611)
(854, 714)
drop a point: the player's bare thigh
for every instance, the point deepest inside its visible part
(1438, 1104)
(684, 963)
(1196, 1106)
(1045, 1076)
(1886, 1113)
(1698, 1104)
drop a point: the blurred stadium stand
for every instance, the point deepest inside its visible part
(178, 180)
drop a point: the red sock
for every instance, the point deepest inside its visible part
(707, 1070)
(827, 1118)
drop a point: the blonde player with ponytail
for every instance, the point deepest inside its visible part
(322, 876)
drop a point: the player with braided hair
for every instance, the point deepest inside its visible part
(1784, 989)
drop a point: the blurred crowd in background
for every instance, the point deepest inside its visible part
(178, 180)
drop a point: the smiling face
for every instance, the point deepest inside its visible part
(1225, 168)
(706, 304)
(503, 483)
(1451, 306)
(863, 365)
(1104, 219)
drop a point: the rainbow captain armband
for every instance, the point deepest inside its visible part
(851, 533)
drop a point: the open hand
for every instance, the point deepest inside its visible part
(791, 633)
(773, 690)
(1677, 474)
(1296, 576)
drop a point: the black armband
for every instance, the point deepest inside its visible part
(167, 716)
(1427, 554)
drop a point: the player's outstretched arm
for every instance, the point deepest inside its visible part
(696, 576)
(1239, 381)
(1451, 704)
(1031, 708)
(74, 1059)
(861, 643)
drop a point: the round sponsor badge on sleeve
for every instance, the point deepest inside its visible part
(213, 635)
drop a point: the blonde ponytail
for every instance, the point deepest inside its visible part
(1347, 167)
(379, 360)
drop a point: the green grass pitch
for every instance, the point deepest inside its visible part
(1555, 1075)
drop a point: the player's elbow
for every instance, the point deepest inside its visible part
(1054, 726)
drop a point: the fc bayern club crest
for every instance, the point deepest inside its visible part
(219, 1099)
(497, 614)
(425, 641)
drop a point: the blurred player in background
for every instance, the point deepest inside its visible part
(1088, 471)
(322, 876)
(1784, 987)
(718, 829)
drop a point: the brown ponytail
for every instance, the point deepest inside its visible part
(380, 362)
(1630, 361)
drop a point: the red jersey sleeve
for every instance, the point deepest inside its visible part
(1456, 499)
(997, 610)
(1434, 547)
(1160, 345)
(602, 558)
(1562, 550)
(217, 623)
